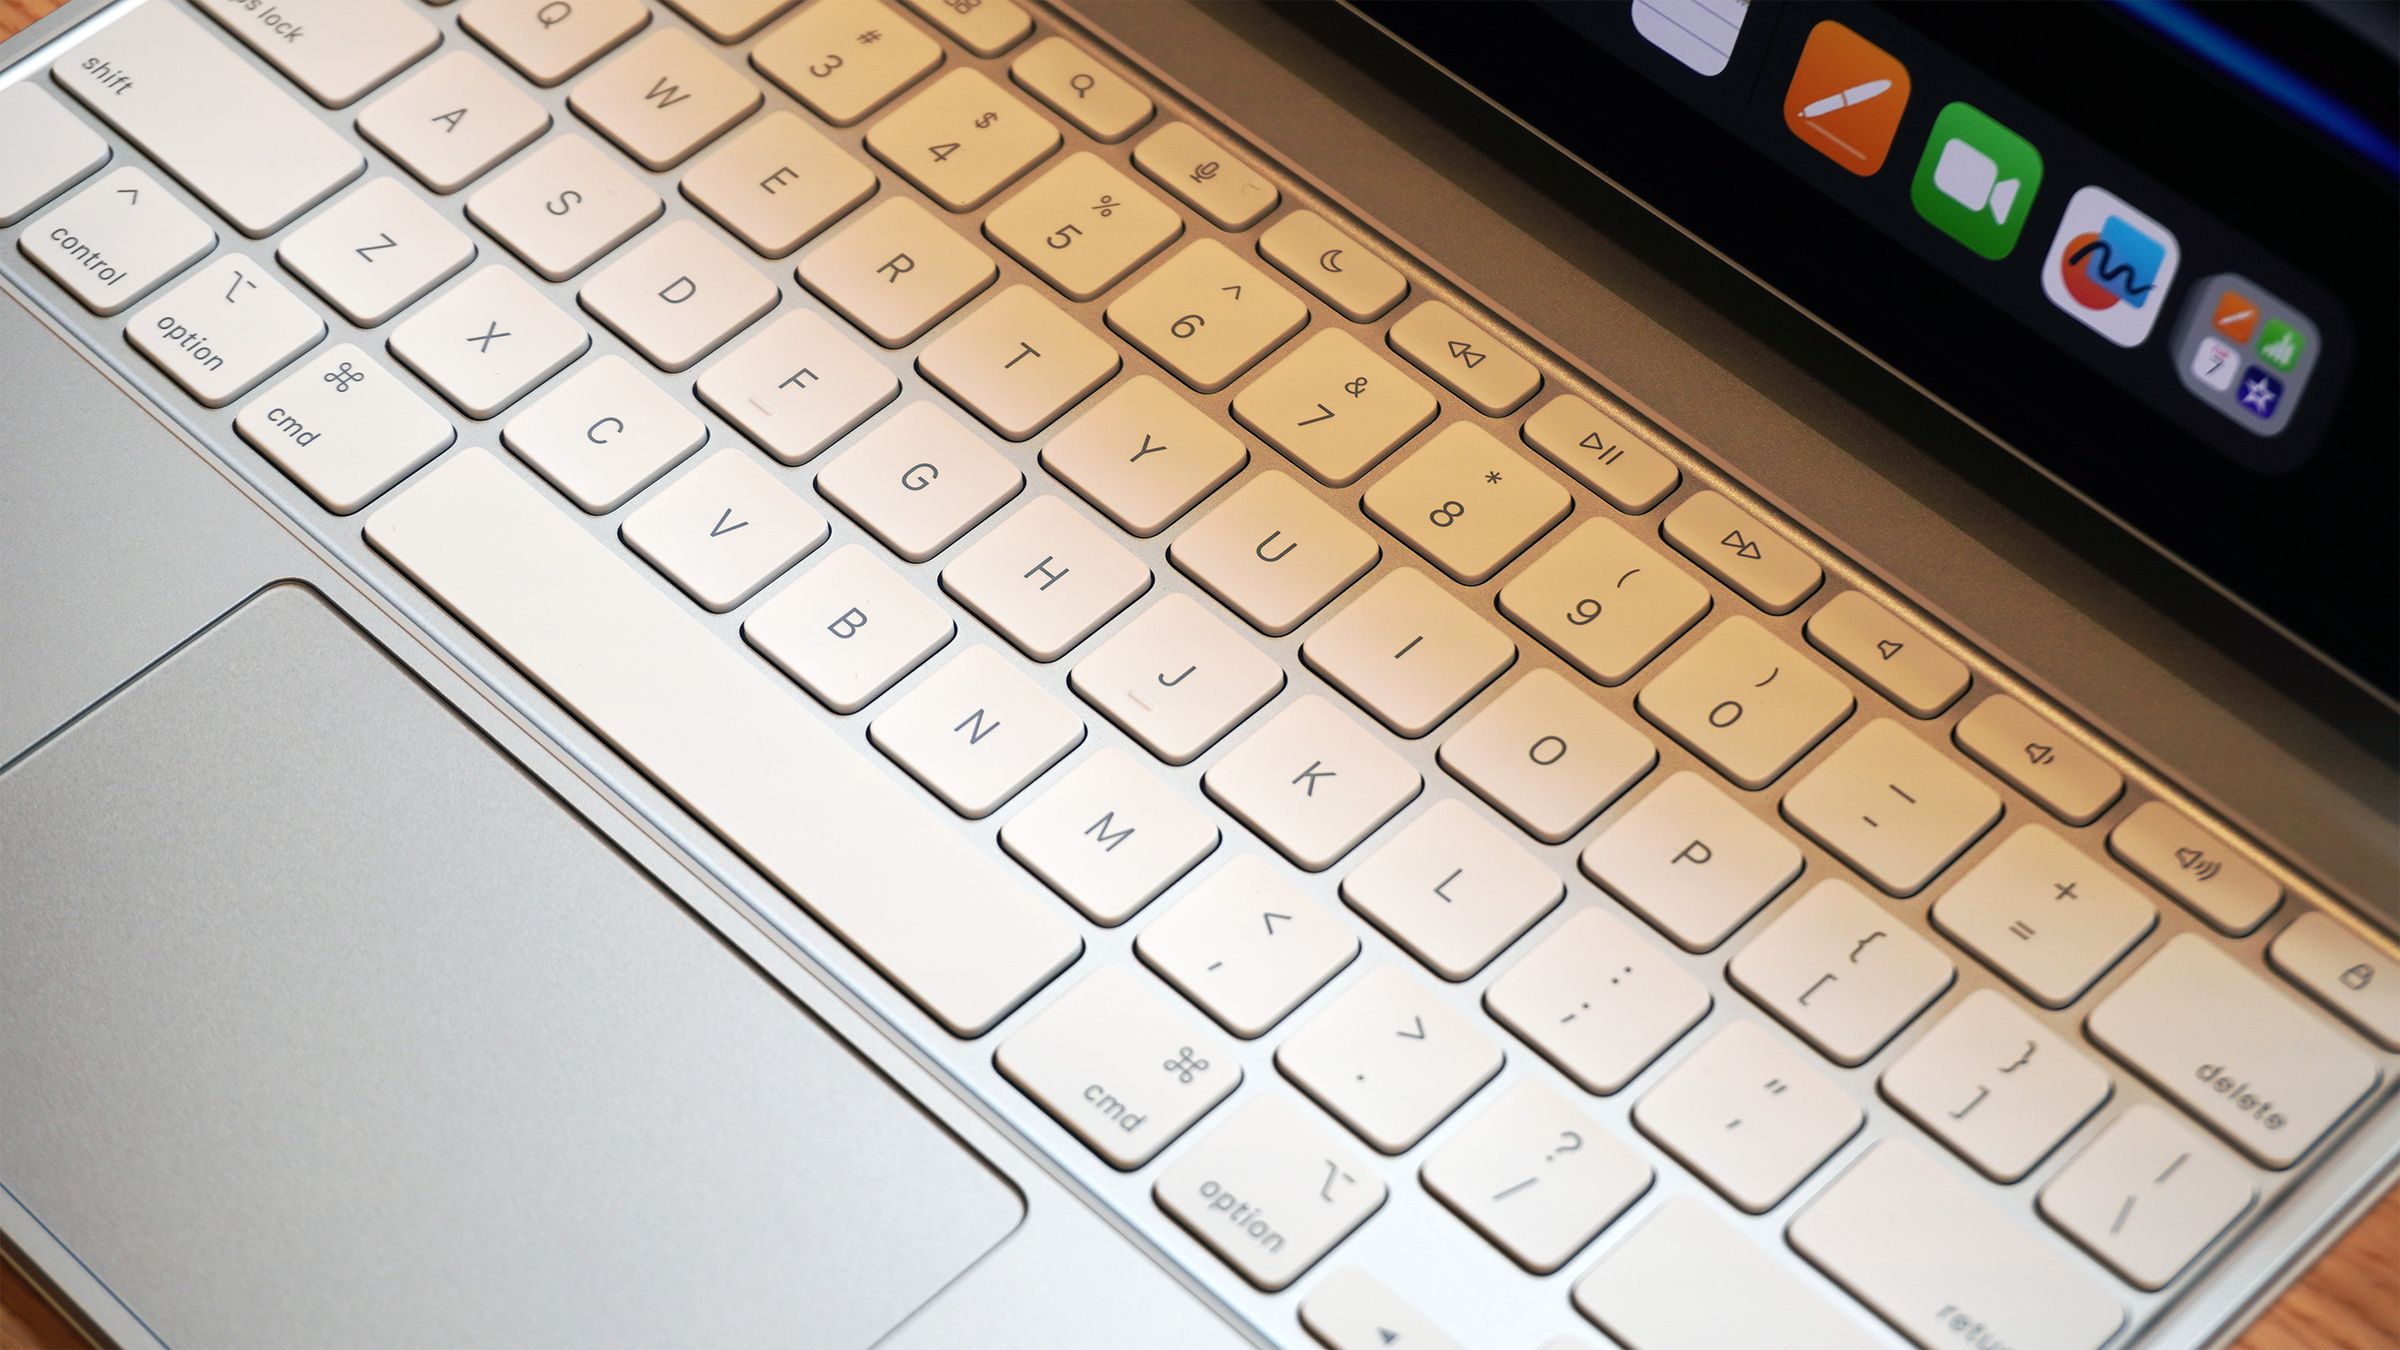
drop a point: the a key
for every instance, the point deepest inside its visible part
(376, 251)
(1536, 1175)
(1335, 407)
(2147, 1196)
(1312, 782)
(777, 182)
(1892, 806)
(1925, 1249)
(1352, 1310)
(1100, 102)
(984, 27)
(487, 340)
(1274, 552)
(1176, 678)
(919, 480)
(1604, 600)
(1466, 358)
(1743, 700)
(1045, 578)
(224, 328)
(2197, 866)
(962, 139)
(1888, 652)
(48, 152)
(1603, 453)
(1204, 177)
(2339, 968)
(846, 58)
(1692, 861)
(2038, 758)
(1389, 1059)
(1467, 503)
(546, 44)
(116, 240)
(730, 20)
(1738, 549)
(1270, 1189)
(1247, 946)
(1334, 267)
(1995, 1085)
(1841, 971)
(1206, 315)
(334, 49)
(1124, 1069)
(1750, 1114)
(208, 117)
(344, 427)
(848, 628)
(724, 530)
(1686, 1279)
(1597, 1001)
(678, 295)
(1109, 836)
(1083, 226)
(1143, 455)
(1017, 362)
(605, 433)
(1547, 755)
(797, 385)
(2043, 913)
(976, 731)
(452, 121)
(663, 97)
(1452, 889)
(897, 271)
(1408, 652)
(563, 205)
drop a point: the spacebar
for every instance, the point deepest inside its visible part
(736, 747)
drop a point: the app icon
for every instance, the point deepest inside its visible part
(2259, 392)
(1846, 98)
(2110, 266)
(2236, 318)
(2262, 394)
(1976, 181)
(2213, 363)
(1699, 33)
(2281, 344)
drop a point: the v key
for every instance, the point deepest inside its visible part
(722, 528)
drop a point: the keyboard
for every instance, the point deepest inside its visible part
(1432, 855)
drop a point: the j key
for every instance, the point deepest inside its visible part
(1692, 861)
(1206, 315)
(1547, 755)
(797, 386)
(334, 49)
(488, 340)
(545, 45)
(962, 139)
(1604, 600)
(2045, 914)
(115, 241)
(1995, 1085)
(1536, 1175)
(1841, 971)
(919, 480)
(848, 628)
(1246, 945)
(1452, 889)
(1274, 552)
(1333, 266)
(453, 120)
(1312, 782)
(1598, 1000)
(1389, 1058)
(1747, 703)
(1109, 836)
(724, 530)
(896, 271)
(344, 427)
(563, 205)
(1603, 454)
(663, 97)
(1335, 407)
(845, 58)
(1176, 678)
(222, 329)
(605, 433)
(976, 731)
(1144, 455)
(777, 182)
(376, 251)
(1408, 652)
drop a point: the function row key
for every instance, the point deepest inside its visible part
(1101, 103)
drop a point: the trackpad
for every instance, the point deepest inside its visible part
(325, 1025)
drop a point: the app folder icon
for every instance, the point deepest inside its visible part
(1846, 98)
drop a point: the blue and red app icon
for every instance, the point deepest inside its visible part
(2110, 266)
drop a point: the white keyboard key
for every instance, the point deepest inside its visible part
(1312, 782)
(2147, 1196)
(376, 251)
(1275, 552)
(1018, 361)
(450, 122)
(344, 427)
(1841, 971)
(848, 628)
(1247, 946)
(563, 205)
(1045, 578)
(334, 49)
(1100, 102)
(1768, 569)
(1083, 226)
(1891, 805)
(730, 20)
(1270, 1189)
(48, 150)
(1692, 861)
(1206, 315)
(845, 58)
(1888, 652)
(1745, 701)
(677, 295)
(1750, 1114)
(2233, 1050)
(1537, 1176)
(1352, 1310)
(2045, 914)
(1468, 360)
(1467, 503)
(1597, 1001)
(487, 340)
(1926, 1250)
(1547, 755)
(1408, 652)
(2197, 866)
(663, 97)
(1176, 678)
(1389, 1058)
(2344, 971)
(547, 44)
(222, 329)
(1123, 1068)
(227, 132)
(962, 139)
(1205, 178)
(1995, 1085)
(897, 271)
(1334, 267)
(605, 433)
(797, 386)
(777, 182)
(1334, 406)
(2040, 759)
(724, 530)
(984, 27)
(1452, 889)
(1109, 836)
(1604, 600)
(1144, 455)
(1688, 1280)
(1603, 453)
(115, 241)
(976, 731)
(919, 480)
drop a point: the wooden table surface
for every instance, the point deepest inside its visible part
(2350, 1301)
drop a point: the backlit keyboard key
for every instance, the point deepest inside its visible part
(984, 27)
(1888, 652)
(563, 205)
(1768, 569)
(1466, 358)
(1508, 1173)
(1467, 503)
(896, 271)
(1176, 678)
(1333, 266)
(1144, 455)
(724, 530)
(846, 58)
(1018, 361)
(1270, 1189)
(777, 182)
(678, 295)
(1603, 454)
(453, 120)
(1246, 945)
(797, 386)
(1841, 971)
(1686, 1279)
(1312, 782)
(2197, 866)
(1995, 1085)
(2038, 758)
(1206, 315)
(49, 150)
(1452, 889)
(2045, 914)
(115, 241)
(1408, 652)
(919, 480)
(1389, 1058)
(344, 427)
(976, 731)
(222, 329)
(1275, 552)
(1747, 703)
(605, 433)
(1750, 1114)
(848, 628)
(1334, 406)
(1547, 755)
(1078, 88)
(663, 97)
(546, 44)
(1045, 578)
(1119, 1065)
(374, 252)
(1083, 226)
(1109, 836)
(1604, 600)
(1692, 861)
(1892, 806)
(488, 340)
(2148, 1195)
(1597, 1000)
(1204, 177)
(962, 139)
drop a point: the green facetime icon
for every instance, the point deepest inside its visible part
(1977, 180)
